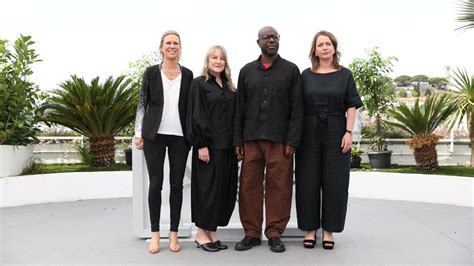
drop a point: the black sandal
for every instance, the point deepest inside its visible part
(309, 243)
(328, 244)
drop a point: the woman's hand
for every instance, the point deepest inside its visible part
(203, 154)
(346, 142)
(139, 143)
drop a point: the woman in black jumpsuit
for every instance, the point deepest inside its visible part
(214, 165)
(322, 161)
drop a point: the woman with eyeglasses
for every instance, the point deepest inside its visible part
(322, 161)
(161, 124)
(214, 165)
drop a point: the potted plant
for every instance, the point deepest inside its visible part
(19, 100)
(356, 152)
(377, 94)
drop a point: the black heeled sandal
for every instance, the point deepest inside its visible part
(209, 247)
(328, 244)
(309, 243)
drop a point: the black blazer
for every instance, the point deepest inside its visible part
(152, 96)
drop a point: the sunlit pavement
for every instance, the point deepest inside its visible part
(100, 232)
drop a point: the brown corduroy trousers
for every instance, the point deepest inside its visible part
(275, 188)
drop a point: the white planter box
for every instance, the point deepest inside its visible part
(13, 159)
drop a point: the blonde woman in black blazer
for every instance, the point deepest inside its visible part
(161, 125)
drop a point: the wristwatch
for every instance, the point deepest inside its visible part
(349, 131)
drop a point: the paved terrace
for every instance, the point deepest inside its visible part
(100, 232)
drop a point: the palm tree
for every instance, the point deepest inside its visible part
(97, 111)
(420, 122)
(466, 14)
(463, 101)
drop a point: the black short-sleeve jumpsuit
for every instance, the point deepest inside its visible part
(322, 170)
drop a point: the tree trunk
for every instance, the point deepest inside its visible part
(426, 157)
(103, 149)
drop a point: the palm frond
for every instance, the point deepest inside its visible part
(466, 14)
(421, 120)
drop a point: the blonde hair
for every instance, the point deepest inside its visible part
(170, 32)
(315, 59)
(227, 72)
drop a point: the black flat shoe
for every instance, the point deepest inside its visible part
(276, 245)
(209, 247)
(328, 244)
(219, 245)
(309, 243)
(247, 243)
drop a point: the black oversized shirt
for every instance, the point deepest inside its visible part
(269, 103)
(210, 114)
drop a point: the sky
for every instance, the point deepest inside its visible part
(92, 38)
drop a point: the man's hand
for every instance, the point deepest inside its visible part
(289, 151)
(239, 152)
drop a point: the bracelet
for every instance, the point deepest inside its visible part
(349, 131)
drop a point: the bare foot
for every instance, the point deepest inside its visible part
(212, 236)
(202, 236)
(310, 235)
(174, 244)
(154, 246)
(327, 236)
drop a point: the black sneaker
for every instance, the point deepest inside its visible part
(247, 243)
(276, 245)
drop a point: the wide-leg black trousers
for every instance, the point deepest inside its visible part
(155, 152)
(322, 175)
(213, 188)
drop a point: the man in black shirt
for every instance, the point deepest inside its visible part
(267, 130)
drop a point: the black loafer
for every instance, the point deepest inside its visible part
(247, 243)
(276, 245)
(219, 245)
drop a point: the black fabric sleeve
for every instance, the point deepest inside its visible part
(142, 103)
(352, 95)
(295, 126)
(237, 138)
(198, 123)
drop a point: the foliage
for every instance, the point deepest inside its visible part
(466, 14)
(135, 74)
(65, 168)
(137, 68)
(420, 122)
(19, 97)
(420, 78)
(356, 152)
(402, 93)
(416, 91)
(32, 167)
(403, 80)
(453, 170)
(438, 82)
(97, 111)
(369, 131)
(369, 75)
(87, 157)
(463, 101)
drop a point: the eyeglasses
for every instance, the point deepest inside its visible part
(267, 38)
